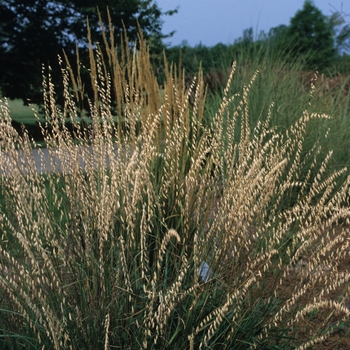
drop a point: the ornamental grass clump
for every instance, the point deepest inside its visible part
(145, 229)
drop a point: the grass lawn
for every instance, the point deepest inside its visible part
(21, 113)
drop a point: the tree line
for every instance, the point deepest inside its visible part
(320, 43)
(34, 32)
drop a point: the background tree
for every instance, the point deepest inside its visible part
(247, 38)
(33, 32)
(276, 41)
(341, 31)
(311, 37)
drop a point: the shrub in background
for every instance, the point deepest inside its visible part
(160, 232)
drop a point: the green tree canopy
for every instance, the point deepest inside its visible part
(310, 35)
(33, 32)
(341, 31)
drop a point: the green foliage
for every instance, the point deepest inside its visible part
(33, 33)
(341, 31)
(310, 35)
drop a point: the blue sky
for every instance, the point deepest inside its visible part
(212, 21)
